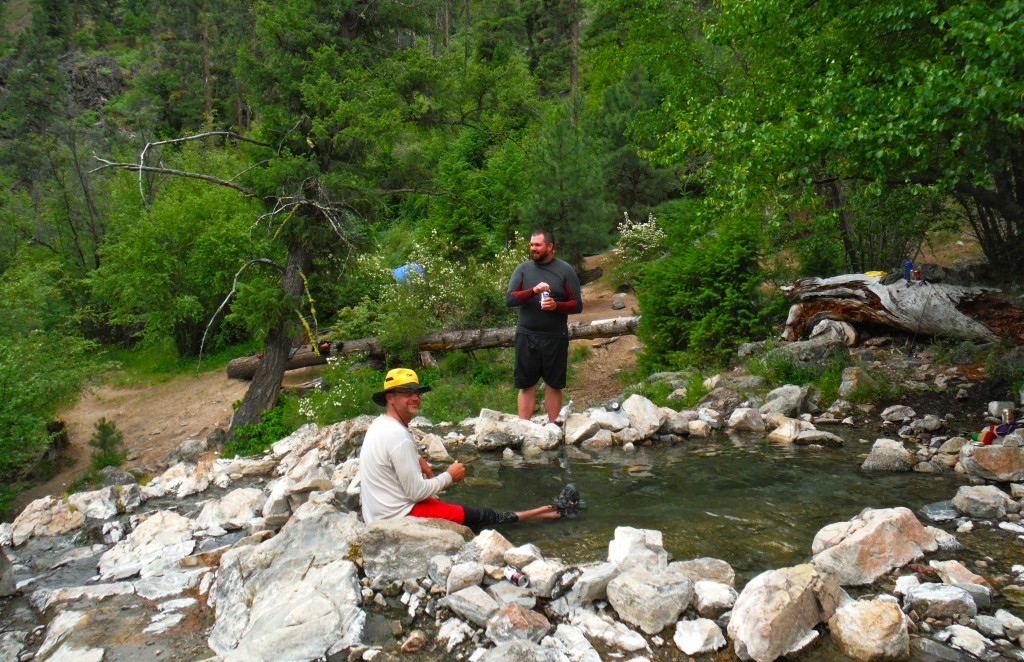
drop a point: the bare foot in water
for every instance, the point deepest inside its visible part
(544, 512)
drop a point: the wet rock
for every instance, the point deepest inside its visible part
(939, 601)
(930, 423)
(513, 622)
(699, 428)
(113, 476)
(941, 511)
(929, 650)
(984, 502)
(863, 549)
(49, 516)
(633, 548)
(698, 636)
(472, 604)
(649, 601)
(43, 599)
(788, 430)
(777, 612)
(644, 416)
(888, 455)
(995, 463)
(1011, 624)
(871, 630)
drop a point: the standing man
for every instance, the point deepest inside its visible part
(547, 291)
(396, 481)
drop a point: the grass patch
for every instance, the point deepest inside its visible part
(160, 363)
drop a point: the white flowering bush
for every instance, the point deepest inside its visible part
(640, 240)
(448, 295)
(348, 384)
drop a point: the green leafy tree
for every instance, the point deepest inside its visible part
(169, 265)
(890, 93)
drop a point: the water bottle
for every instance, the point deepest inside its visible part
(564, 411)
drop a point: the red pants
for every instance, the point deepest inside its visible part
(437, 509)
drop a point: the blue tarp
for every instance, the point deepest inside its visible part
(401, 274)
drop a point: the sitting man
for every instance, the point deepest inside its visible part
(396, 481)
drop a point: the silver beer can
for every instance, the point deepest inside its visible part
(515, 576)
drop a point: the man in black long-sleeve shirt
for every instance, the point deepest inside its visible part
(542, 334)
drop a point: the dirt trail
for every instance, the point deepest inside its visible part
(156, 418)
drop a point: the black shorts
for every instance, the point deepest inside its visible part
(540, 356)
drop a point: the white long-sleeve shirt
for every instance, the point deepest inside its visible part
(390, 474)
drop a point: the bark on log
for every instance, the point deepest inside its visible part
(245, 368)
(919, 307)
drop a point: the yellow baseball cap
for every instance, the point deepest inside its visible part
(399, 378)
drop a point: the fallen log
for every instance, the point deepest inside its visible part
(304, 357)
(918, 307)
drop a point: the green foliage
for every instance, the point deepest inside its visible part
(1005, 367)
(254, 438)
(42, 362)
(566, 186)
(705, 299)
(169, 266)
(658, 391)
(448, 295)
(107, 443)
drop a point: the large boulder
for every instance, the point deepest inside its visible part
(995, 463)
(871, 630)
(495, 431)
(984, 501)
(789, 400)
(49, 516)
(644, 416)
(777, 612)
(889, 455)
(874, 542)
(649, 601)
(401, 548)
(295, 596)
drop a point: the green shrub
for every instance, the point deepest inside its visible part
(704, 300)
(640, 244)
(107, 443)
(254, 438)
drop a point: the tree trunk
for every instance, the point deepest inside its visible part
(245, 368)
(927, 309)
(266, 378)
